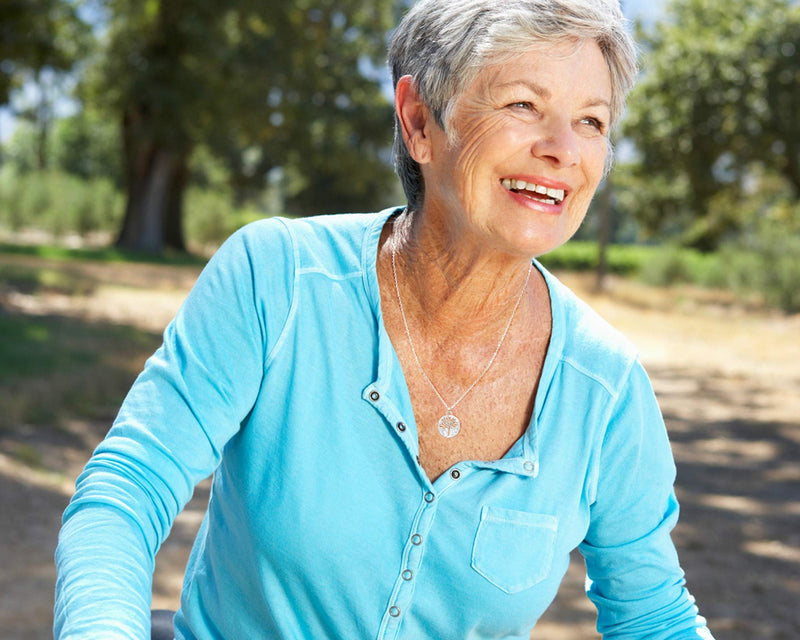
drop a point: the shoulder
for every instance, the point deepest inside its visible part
(587, 342)
(334, 242)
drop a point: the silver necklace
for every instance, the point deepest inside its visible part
(449, 425)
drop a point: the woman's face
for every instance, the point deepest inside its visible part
(529, 151)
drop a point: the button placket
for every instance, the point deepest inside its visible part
(401, 598)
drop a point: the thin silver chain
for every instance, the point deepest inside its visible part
(414, 351)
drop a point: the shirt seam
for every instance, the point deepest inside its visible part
(594, 471)
(284, 332)
(333, 276)
(614, 393)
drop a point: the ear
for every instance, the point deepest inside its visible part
(414, 118)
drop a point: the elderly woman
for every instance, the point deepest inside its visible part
(410, 422)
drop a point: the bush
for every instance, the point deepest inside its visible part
(58, 203)
(670, 264)
(581, 255)
(210, 217)
(766, 261)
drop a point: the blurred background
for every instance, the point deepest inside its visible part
(136, 135)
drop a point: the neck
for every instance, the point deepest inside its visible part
(448, 286)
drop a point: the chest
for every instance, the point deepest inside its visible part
(489, 418)
(472, 397)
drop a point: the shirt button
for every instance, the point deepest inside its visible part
(407, 575)
(394, 612)
(374, 396)
(528, 466)
(401, 426)
(416, 539)
(429, 497)
(455, 474)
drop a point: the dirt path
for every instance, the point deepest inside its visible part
(729, 384)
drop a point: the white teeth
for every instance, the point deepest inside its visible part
(556, 195)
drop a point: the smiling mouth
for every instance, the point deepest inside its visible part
(534, 191)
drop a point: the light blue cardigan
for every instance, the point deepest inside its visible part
(277, 375)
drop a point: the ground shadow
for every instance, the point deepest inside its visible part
(739, 487)
(31, 519)
(738, 482)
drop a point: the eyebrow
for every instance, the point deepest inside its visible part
(538, 89)
(545, 93)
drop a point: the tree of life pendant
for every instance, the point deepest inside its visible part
(449, 425)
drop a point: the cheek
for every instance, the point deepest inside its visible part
(595, 162)
(480, 142)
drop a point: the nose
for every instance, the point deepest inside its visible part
(557, 143)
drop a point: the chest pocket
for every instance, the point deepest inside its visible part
(514, 549)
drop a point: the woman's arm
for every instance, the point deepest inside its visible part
(191, 398)
(636, 580)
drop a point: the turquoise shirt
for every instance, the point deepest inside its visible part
(277, 375)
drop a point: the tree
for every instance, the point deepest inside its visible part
(40, 40)
(717, 104)
(262, 84)
(87, 145)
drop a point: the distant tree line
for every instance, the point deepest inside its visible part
(715, 121)
(269, 92)
(264, 86)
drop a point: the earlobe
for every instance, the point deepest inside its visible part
(414, 119)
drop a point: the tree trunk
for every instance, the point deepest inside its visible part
(791, 169)
(156, 180)
(603, 234)
(43, 117)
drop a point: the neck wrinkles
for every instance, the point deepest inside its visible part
(454, 288)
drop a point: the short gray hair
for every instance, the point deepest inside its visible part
(443, 45)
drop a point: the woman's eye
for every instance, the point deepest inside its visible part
(595, 123)
(521, 105)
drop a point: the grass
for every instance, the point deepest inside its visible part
(34, 346)
(101, 254)
(33, 280)
(54, 367)
(579, 255)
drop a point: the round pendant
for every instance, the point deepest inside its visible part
(449, 425)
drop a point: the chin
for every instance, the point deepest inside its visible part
(532, 243)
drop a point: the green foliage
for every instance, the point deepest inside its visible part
(719, 98)
(761, 264)
(88, 145)
(670, 264)
(262, 85)
(57, 202)
(38, 34)
(582, 255)
(766, 260)
(211, 217)
(62, 204)
(101, 254)
(20, 150)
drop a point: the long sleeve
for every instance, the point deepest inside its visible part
(636, 581)
(190, 399)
